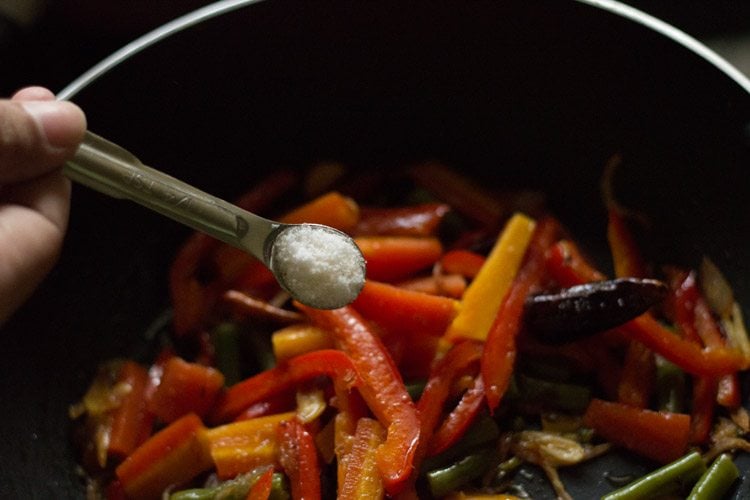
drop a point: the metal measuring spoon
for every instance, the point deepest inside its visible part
(319, 266)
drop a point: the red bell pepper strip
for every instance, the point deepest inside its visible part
(393, 258)
(299, 458)
(638, 376)
(261, 489)
(463, 262)
(639, 370)
(284, 377)
(405, 312)
(382, 389)
(568, 267)
(498, 358)
(684, 353)
(702, 410)
(456, 362)
(185, 388)
(461, 193)
(460, 419)
(416, 220)
(172, 456)
(660, 436)
(280, 403)
(132, 423)
(694, 318)
(626, 256)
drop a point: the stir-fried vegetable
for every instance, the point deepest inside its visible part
(483, 339)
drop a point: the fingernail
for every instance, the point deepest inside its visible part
(62, 123)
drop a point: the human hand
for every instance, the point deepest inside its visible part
(37, 134)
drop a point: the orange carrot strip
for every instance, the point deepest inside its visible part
(172, 456)
(392, 258)
(131, 421)
(331, 209)
(463, 262)
(405, 312)
(448, 285)
(660, 436)
(185, 388)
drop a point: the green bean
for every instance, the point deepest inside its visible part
(194, 494)
(670, 386)
(666, 480)
(554, 395)
(483, 431)
(716, 481)
(226, 342)
(453, 477)
(234, 489)
(279, 487)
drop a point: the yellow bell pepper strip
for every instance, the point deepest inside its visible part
(185, 388)
(284, 377)
(174, 455)
(382, 389)
(361, 474)
(484, 295)
(498, 358)
(393, 258)
(299, 458)
(301, 338)
(242, 446)
(661, 436)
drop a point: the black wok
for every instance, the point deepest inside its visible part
(531, 94)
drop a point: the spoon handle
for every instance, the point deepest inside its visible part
(112, 170)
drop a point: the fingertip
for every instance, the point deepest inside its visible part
(62, 123)
(34, 93)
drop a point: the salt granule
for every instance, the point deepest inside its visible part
(318, 266)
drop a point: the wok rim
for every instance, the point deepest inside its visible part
(222, 7)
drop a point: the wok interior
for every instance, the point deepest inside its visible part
(515, 95)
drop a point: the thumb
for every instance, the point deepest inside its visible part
(36, 136)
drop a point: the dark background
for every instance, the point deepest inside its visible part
(71, 35)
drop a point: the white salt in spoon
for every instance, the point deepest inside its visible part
(319, 266)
